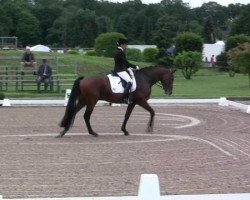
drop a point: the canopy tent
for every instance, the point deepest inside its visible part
(40, 48)
(212, 49)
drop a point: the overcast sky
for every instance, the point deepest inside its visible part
(194, 3)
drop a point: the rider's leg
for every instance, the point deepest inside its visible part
(124, 75)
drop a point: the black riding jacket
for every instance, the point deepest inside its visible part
(121, 62)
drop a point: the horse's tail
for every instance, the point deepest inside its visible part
(70, 111)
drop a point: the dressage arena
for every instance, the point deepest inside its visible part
(195, 149)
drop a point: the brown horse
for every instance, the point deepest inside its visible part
(87, 91)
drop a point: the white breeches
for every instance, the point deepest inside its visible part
(124, 75)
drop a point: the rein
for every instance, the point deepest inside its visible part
(159, 85)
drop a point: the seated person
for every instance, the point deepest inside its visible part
(44, 74)
(28, 60)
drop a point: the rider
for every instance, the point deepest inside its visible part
(121, 66)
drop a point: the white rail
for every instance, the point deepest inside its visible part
(36, 102)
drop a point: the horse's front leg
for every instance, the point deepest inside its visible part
(126, 117)
(86, 116)
(146, 106)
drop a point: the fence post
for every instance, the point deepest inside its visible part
(67, 94)
(248, 109)
(6, 102)
(223, 101)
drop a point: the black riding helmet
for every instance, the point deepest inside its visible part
(121, 41)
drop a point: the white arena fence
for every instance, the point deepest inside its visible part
(149, 189)
(220, 101)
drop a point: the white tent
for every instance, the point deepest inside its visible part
(40, 48)
(212, 49)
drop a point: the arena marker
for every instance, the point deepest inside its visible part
(149, 187)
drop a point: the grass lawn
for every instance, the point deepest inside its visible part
(207, 83)
(208, 87)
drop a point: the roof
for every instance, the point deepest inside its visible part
(40, 48)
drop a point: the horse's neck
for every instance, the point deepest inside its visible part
(152, 75)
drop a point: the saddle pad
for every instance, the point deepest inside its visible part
(116, 84)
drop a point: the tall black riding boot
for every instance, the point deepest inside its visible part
(126, 93)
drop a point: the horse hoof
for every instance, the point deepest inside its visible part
(126, 133)
(94, 134)
(149, 130)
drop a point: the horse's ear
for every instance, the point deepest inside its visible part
(173, 70)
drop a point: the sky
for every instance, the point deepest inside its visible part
(194, 3)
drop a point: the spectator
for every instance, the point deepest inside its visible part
(44, 74)
(28, 60)
(212, 61)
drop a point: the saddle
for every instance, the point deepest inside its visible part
(117, 84)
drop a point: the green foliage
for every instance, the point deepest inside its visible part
(189, 62)
(215, 83)
(240, 58)
(242, 23)
(90, 53)
(133, 54)
(149, 54)
(234, 41)
(163, 58)
(208, 32)
(188, 42)
(71, 51)
(2, 96)
(71, 23)
(222, 61)
(167, 27)
(105, 43)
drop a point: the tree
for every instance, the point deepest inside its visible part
(234, 41)
(208, 32)
(27, 29)
(125, 25)
(189, 62)
(5, 23)
(76, 27)
(188, 42)
(242, 24)
(240, 58)
(104, 24)
(167, 27)
(105, 43)
(47, 11)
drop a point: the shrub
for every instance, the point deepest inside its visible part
(90, 53)
(70, 51)
(149, 54)
(222, 61)
(240, 58)
(188, 42)
(189, 62)
(105, 43)
(2, 96)
(234, 41)
(133, 54)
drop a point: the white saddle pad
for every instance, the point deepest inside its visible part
(116, 84)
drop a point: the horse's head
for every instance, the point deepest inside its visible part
(167, 81)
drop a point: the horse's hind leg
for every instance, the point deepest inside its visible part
(86, 116)
(78, 107)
